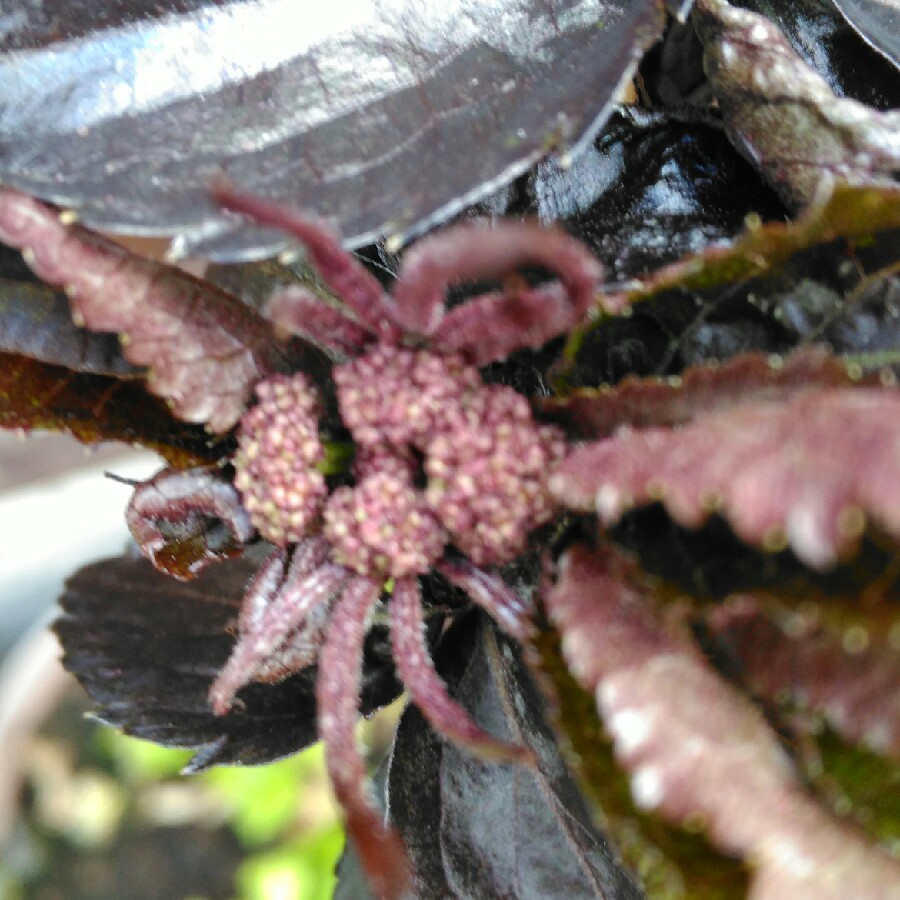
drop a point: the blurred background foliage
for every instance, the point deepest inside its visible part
(109, 816)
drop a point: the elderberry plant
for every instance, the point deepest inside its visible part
(443, 460)
(690, 579)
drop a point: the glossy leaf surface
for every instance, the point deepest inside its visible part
(651, 189)
(774, 286)
(853, 212)
(878, 21)
(359, 110)
(830, 36)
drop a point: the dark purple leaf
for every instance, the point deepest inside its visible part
(650, 190)
(819, 32)
(774, 285)
(877, 21)
(383, 116)
(35, 321)
(476, 829)
(146, 649)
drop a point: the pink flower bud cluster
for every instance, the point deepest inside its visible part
(487, 471)
(383, 527)
(275, 464)
(484, 457)
(417, 418)
(394, 395)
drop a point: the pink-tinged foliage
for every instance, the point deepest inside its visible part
(808, 471)
(487, 327)
(472, 253)
(204, 349)
(698, 751)
(343, 275)
(301, 647)
(426, 689)
(337, 690)
(648, 402)
(852, 678)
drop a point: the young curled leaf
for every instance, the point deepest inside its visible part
(698, 752)
(781, 472)
(783, 115)
(203, 348)
(185, 521)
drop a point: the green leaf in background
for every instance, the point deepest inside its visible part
(283, 813)
(303, 870)
(265, 798)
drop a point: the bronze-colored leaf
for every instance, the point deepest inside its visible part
(698, 752)
(808, 471)
(93, 408)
